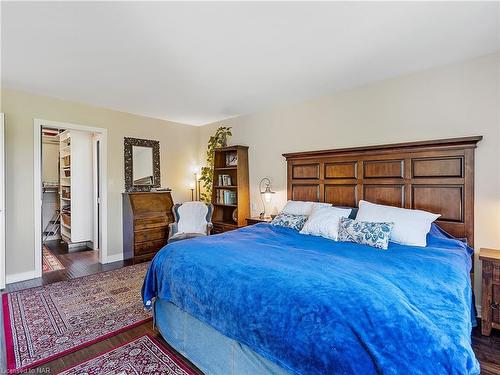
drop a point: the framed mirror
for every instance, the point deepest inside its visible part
(142, 164)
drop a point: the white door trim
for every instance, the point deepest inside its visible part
(2, 202)
(37, 186)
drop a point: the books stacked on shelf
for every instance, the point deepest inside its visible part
(226, 197)
(224, 180)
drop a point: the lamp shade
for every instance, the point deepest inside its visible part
(268, 194)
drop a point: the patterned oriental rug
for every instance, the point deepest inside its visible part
(143, 355)
(49, 261)
(47, 322)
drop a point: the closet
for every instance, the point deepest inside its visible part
(76, 187)
(68, 189)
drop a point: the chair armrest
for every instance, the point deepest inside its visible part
(172, 229)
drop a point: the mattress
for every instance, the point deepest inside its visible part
(212, 352)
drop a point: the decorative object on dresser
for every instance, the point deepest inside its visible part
(76, 191)
(230, 189)
(257, 219)
(192, 219)
(266, 195)
(490, 309)
(142, 164)
(146, 217)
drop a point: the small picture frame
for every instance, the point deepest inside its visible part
(232, 159)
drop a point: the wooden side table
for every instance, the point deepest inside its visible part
(490, 310)
(257, 219)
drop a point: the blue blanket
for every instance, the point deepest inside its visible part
(316, 306)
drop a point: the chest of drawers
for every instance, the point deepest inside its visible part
(146, 216)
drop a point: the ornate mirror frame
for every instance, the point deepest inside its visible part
(127, 147)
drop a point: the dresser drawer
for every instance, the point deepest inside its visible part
(149, 222)
(151, 234)
(148, 247)
(144, 258)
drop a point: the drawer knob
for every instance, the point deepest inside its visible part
(494, 305)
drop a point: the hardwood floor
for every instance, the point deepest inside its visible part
(83, 263)
(487, 349)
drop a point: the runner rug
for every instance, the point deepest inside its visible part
(49, 261)
(143, 355)
(47, 322)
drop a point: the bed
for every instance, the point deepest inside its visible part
(269, 300)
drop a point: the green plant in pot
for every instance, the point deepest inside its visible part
(219, 139)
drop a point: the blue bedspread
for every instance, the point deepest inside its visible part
(316, 306)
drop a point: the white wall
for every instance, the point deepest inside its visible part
(178, 150)
(50, 162)
(451, 101)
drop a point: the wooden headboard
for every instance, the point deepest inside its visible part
(435, 176)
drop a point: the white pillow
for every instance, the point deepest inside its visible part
(192, 217)
(324, 221)
(410, 226)
(302, 207)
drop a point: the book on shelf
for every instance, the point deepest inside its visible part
(226, 197)
(224, 180)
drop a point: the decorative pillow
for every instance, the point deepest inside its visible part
(301, 207)
(364, 232)
(324, 222)
(289, 221)
(410, 226)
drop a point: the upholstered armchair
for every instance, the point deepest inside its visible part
(192, 219)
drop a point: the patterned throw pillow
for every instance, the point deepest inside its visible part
(365, 232)
(290, 221)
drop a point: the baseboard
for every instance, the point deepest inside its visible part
(114, 258)
(22, 276)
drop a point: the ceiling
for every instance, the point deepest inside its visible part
(197, 63)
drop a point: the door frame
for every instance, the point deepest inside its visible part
(38, 124)
(2, 202)
(97, 192)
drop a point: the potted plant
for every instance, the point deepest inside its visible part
(219, 139)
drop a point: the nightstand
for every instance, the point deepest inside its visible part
(257, 219)
(490, 311)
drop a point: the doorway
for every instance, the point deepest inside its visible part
(2, 203)
(70, 193)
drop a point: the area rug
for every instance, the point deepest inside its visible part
(143, 355)
(49, 261)
(47, 322)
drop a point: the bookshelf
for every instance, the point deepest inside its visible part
(230, 188)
